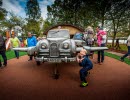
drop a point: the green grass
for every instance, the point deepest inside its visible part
(126, 60)
(10, 54)
(122, 46)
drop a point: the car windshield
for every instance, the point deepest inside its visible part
(58, 34)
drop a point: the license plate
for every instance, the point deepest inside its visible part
(54, 60)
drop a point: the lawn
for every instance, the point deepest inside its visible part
(126, 60)
(10, 54)
(122, 46)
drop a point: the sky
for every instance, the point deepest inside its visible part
(18, 6)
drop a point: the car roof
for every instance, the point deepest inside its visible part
(58, 29)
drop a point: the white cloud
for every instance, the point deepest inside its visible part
(43, 6)
(46, 2)
(43, 12)
(15, 7)
(12, 6)
(52, 1)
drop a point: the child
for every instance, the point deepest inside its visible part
(100, 37)
(84, 61)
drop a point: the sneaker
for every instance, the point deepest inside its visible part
(30, 60)
(121, 59)
(84, 84)
(88, 72)
(96, 62)
(4, 65)
(1, 67)
(101, 63)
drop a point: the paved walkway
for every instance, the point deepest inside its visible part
(23, 80)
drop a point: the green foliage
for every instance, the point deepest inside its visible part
(122, 46)
(32, 10)
(10, 54)
(3, 12)
(46, 25)
(65, 11)
(33, 26)
(127, 61)
(109, 13)
(14, 20)
(33, 13)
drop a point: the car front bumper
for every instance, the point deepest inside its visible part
(56, 60)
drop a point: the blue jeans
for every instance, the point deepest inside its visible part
(83, 73)
(16, 53)
(2, 53)
(101, 54)
(128, 53)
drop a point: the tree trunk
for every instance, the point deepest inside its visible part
(113, 39)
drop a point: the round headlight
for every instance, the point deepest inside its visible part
(43, 46)
(65, 45)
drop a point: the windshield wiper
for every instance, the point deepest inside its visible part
(55, 32)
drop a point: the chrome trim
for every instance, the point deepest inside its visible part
(65, 59)
(54, 51)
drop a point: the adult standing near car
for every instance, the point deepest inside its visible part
(15, 42)
(101, 41)
(2, 51)
(89, 36)
(89, 39)
(128, 46)
(31, 41)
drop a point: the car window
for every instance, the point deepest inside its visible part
(58, 34)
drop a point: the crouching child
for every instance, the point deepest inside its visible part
(86, 64)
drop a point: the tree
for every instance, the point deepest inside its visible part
(13, 21)
(33, 13)
(110, 14)
(3, 12)
(32, 9)
(79, 12)
(33, 26)
(46, 24)
(118, 15)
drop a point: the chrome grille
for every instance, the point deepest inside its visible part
(54, 50)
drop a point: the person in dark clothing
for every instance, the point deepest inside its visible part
(101, 42)
(86, 64)
(117, 44)
(128, 53)
(2, 51)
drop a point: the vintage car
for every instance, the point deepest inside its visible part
(56, 48)
(79, 41)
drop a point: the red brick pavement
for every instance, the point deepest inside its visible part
(23, 80)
